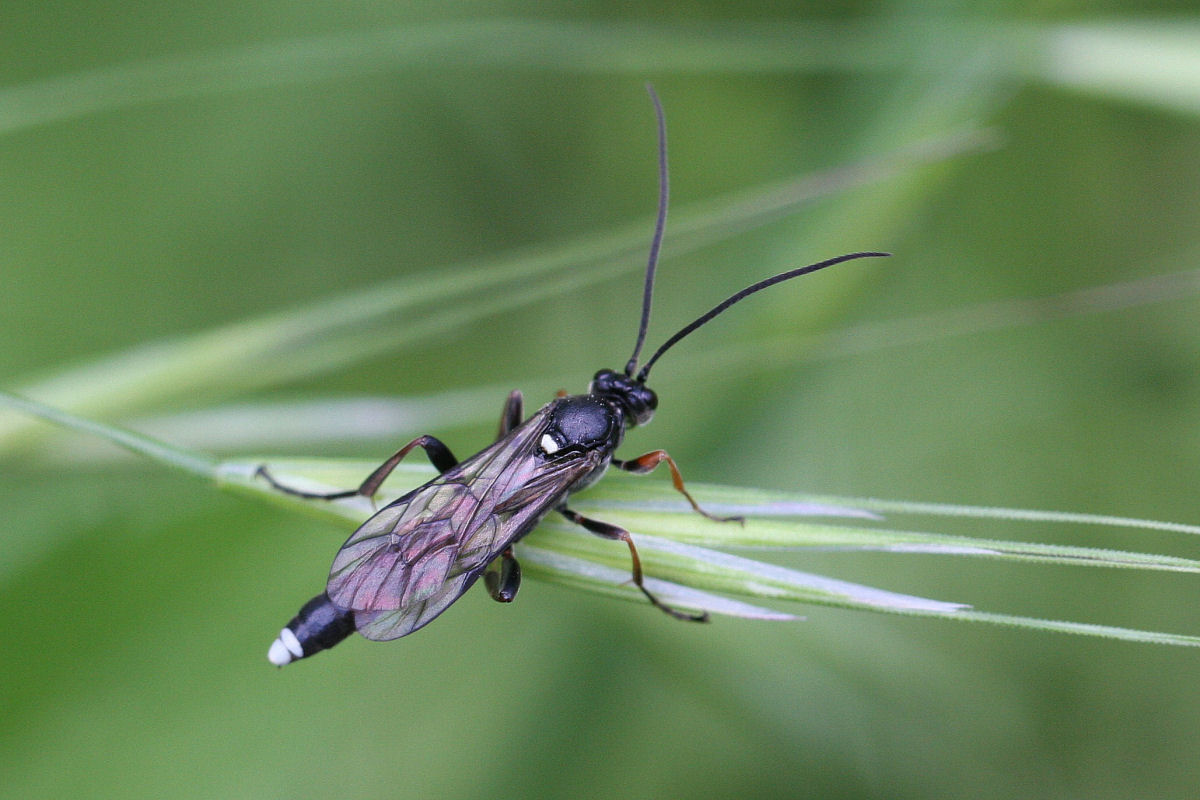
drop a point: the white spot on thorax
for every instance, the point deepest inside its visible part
(548, 444)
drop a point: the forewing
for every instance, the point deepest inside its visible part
(385, 625)
(407, 551)
(412, 559)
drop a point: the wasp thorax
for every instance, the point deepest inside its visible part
(581, 422)
(635, 398)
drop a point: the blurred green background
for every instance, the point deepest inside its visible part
(169, 168)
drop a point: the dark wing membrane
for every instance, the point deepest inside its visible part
(415, 557)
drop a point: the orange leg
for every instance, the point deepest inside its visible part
(645, 464)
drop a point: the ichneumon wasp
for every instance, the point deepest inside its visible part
(413, 558)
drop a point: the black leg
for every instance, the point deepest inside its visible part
(514, 412)
(644, 464)
(503, 577)
(438, 453)
(609, 531)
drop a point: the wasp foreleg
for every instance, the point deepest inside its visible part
(645, 464)
(503, 577)
(439, 455)
(610, 531)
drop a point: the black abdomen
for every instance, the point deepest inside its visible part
(319, 626)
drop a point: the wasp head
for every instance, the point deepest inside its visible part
(632, 396)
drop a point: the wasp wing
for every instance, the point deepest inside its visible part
(415, 557)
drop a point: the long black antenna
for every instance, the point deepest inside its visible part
(742, 295)
(659, 226)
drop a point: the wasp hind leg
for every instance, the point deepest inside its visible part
(646, 463)
(610, 531)
(439, 455)
(503, 577)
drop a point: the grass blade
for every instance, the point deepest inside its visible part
(562, 553)
(194, 463)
